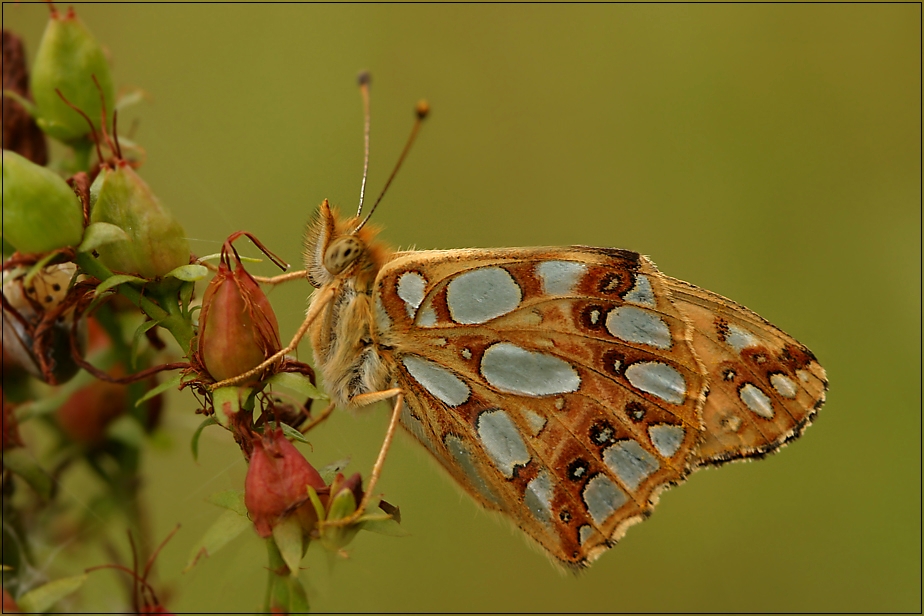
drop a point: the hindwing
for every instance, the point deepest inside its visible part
(557, 385)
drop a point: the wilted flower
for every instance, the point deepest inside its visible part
(37, 322)
(68, 59)
(237, 326)
(20, 132)
(276, 484)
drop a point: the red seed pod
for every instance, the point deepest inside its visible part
(237, 326)
(87, 413)
(276, 483)
(9, 606)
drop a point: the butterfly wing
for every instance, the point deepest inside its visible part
(557, 385)
(764, 387)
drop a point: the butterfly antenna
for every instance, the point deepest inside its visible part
(364, 80)
(423, 108)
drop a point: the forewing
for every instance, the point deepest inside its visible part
(764, 387)
(558, 385)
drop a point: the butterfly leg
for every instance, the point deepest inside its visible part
(316, 306)
(363, 400)
(323, 415)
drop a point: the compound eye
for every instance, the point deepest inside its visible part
(341, 253)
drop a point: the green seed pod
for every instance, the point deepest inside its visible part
(67, 60)
(157, 242)
(40, 211)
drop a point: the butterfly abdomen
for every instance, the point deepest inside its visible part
(344, 346)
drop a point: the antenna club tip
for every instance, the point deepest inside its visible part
(422, 109)
(364, 78)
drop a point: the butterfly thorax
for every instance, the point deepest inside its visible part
(343, 336)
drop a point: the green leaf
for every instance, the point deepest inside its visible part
(227, 401)
(28, 105)
(172, 383)
(227, 527)
(186, 293)
(290, 596)
(137, 337)
(299, 383)
(99, 234)
(316, 503)
(37, 268)
(383, 525)
(289, 539)
(189, 273)
(116, 280)
(230, 499)
(292, 434)
(330, 471)
(21, 462)
(128, 99)
(335, 537)
(343, 505)
(42, 598)
(209, 421)
(127, 430)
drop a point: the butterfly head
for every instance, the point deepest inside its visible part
(334, 247)
(342, 253)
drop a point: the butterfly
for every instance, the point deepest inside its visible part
(563, 387)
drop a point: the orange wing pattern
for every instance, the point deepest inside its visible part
(764, 387)
(559, 386)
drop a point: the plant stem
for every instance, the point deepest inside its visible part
(275, 564)
(166, 311)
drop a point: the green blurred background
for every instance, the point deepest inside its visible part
(768, 153)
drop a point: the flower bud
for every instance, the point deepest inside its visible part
(237, 326)
(68, 58)
(341, 486)
(276, 484)
(40, 211)
(87, 413)
(344, 496)
(156, 241)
